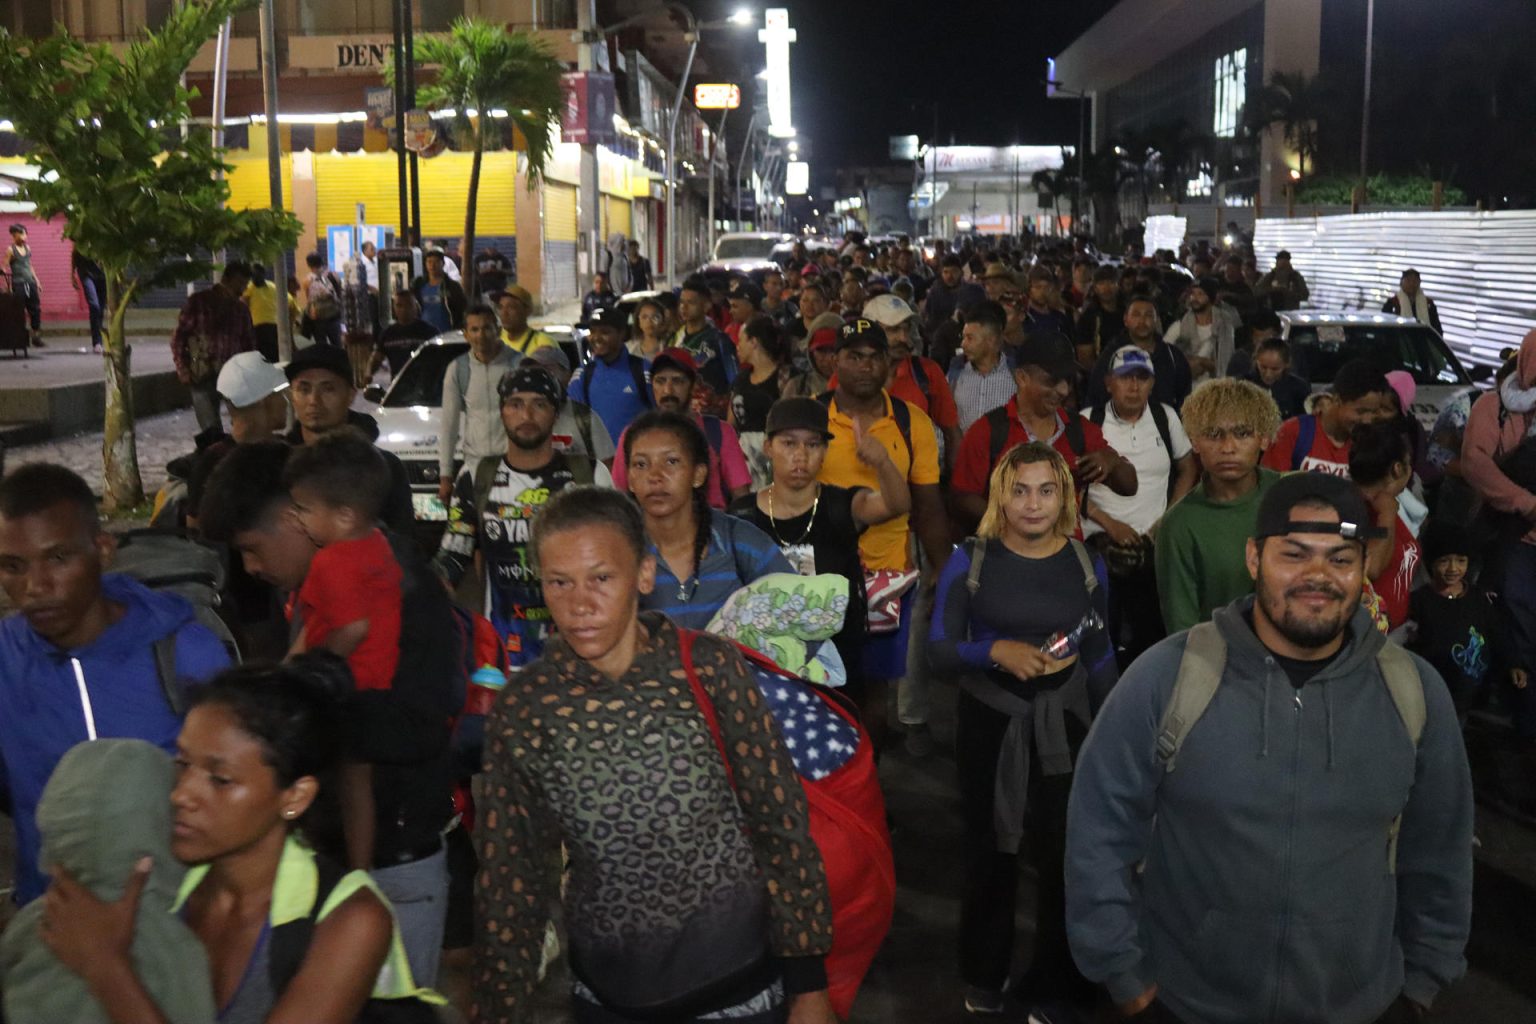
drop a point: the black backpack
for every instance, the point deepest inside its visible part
(289, 943)
(1159, 419)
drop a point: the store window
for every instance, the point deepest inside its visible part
(339, 17)
(1231, 92)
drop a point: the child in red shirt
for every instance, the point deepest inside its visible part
(349, 603)
(1380, 465)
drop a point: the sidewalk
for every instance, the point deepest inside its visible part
(60, 389)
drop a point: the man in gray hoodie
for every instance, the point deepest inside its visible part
(1260, 882)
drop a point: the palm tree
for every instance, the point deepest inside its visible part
(1296, 103)
(1175, 145)
(482, 67)
(1049, 184)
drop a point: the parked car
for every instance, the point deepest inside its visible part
(1322, 340)
(409, 412)
(745, 251)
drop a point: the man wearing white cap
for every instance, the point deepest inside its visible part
(1149, 435)
(914, 377)
(255, 393)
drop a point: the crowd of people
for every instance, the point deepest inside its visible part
(1088, 504)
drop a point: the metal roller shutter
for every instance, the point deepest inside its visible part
(616, 217)
(560, 235)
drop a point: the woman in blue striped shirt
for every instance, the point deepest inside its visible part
(702, 555)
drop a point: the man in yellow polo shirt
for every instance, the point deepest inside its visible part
(513, 304)
(863, 363)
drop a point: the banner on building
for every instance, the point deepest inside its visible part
(379, 101)
(589, 108)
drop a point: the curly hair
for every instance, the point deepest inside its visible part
(1229, 401)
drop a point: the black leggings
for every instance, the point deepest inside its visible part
(987, 907)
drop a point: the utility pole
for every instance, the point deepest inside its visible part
(397, 14)
(268, 32)
(1365, 110)
(714, 155)
(746, 146)
(410, 104)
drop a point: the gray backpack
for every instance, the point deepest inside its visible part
(174, 563)
(1200, 672)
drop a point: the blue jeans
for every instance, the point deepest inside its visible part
(418, 891)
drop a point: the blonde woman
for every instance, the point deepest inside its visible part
(1019, 623)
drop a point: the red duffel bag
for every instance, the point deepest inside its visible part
(847, 811)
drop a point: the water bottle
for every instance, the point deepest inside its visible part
(488, 676)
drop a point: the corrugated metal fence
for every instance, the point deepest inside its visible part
(1480, 268)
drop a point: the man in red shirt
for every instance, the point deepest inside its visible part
(1320, 440)
(1043, 370)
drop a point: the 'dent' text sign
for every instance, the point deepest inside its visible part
(717, 96)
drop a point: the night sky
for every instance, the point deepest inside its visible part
(863, 70)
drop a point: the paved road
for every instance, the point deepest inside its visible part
(161, 438)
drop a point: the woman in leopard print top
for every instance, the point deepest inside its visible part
(691, 891)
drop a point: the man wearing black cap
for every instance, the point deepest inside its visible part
(615, 381)
(1043, 370)
(495, 500)
(1312, 859)
(1143, 328)
(860, 408)
(744, 301)
(1284, 287)
(321, 389)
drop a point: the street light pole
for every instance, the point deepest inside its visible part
(268, 30)
(1365, 112)
(746, 146)
(677, 109)
(714, 156)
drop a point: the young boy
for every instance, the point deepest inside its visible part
(1380, 465)
(1459, 629)
(349, 602)
(1272, 372)
(1320, 440)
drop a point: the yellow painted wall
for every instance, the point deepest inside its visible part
(559, 212)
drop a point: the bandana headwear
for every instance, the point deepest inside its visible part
(534, 379)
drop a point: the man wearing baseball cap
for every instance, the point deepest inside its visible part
(674, 376)
(1151, 438)
(255, 393)
(321, 389)
(1283, 287)
(1043, 370)
(860, 408)
(614, 381)
(513, 304)
(1143, 328)
(495, 500)
(1312, 859)
(577, 429)
(1207, 333)
(914, 377)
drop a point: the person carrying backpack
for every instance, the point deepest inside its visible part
(87, 654)
(494, 503)
(1019, 621)
(1312, 853)
(323, 292)
(705, 899)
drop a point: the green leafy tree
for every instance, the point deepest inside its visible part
(482, 67)
(138, 196)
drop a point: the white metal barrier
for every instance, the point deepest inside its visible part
(1480, 268)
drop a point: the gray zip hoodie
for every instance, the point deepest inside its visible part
(1264, 893)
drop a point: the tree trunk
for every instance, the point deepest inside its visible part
(471, 279)
(122, 487)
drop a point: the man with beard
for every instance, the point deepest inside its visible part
(1312, 859)
(1207, 333)
(674, 378)
(494, 503)
(468, 426)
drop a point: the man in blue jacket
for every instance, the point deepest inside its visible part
(77, 659)
(1308, 864)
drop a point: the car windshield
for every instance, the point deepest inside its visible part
(1318, 351)
(744, 248)
(421, 382)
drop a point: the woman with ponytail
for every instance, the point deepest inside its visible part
(702, 556)
(289, 935)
